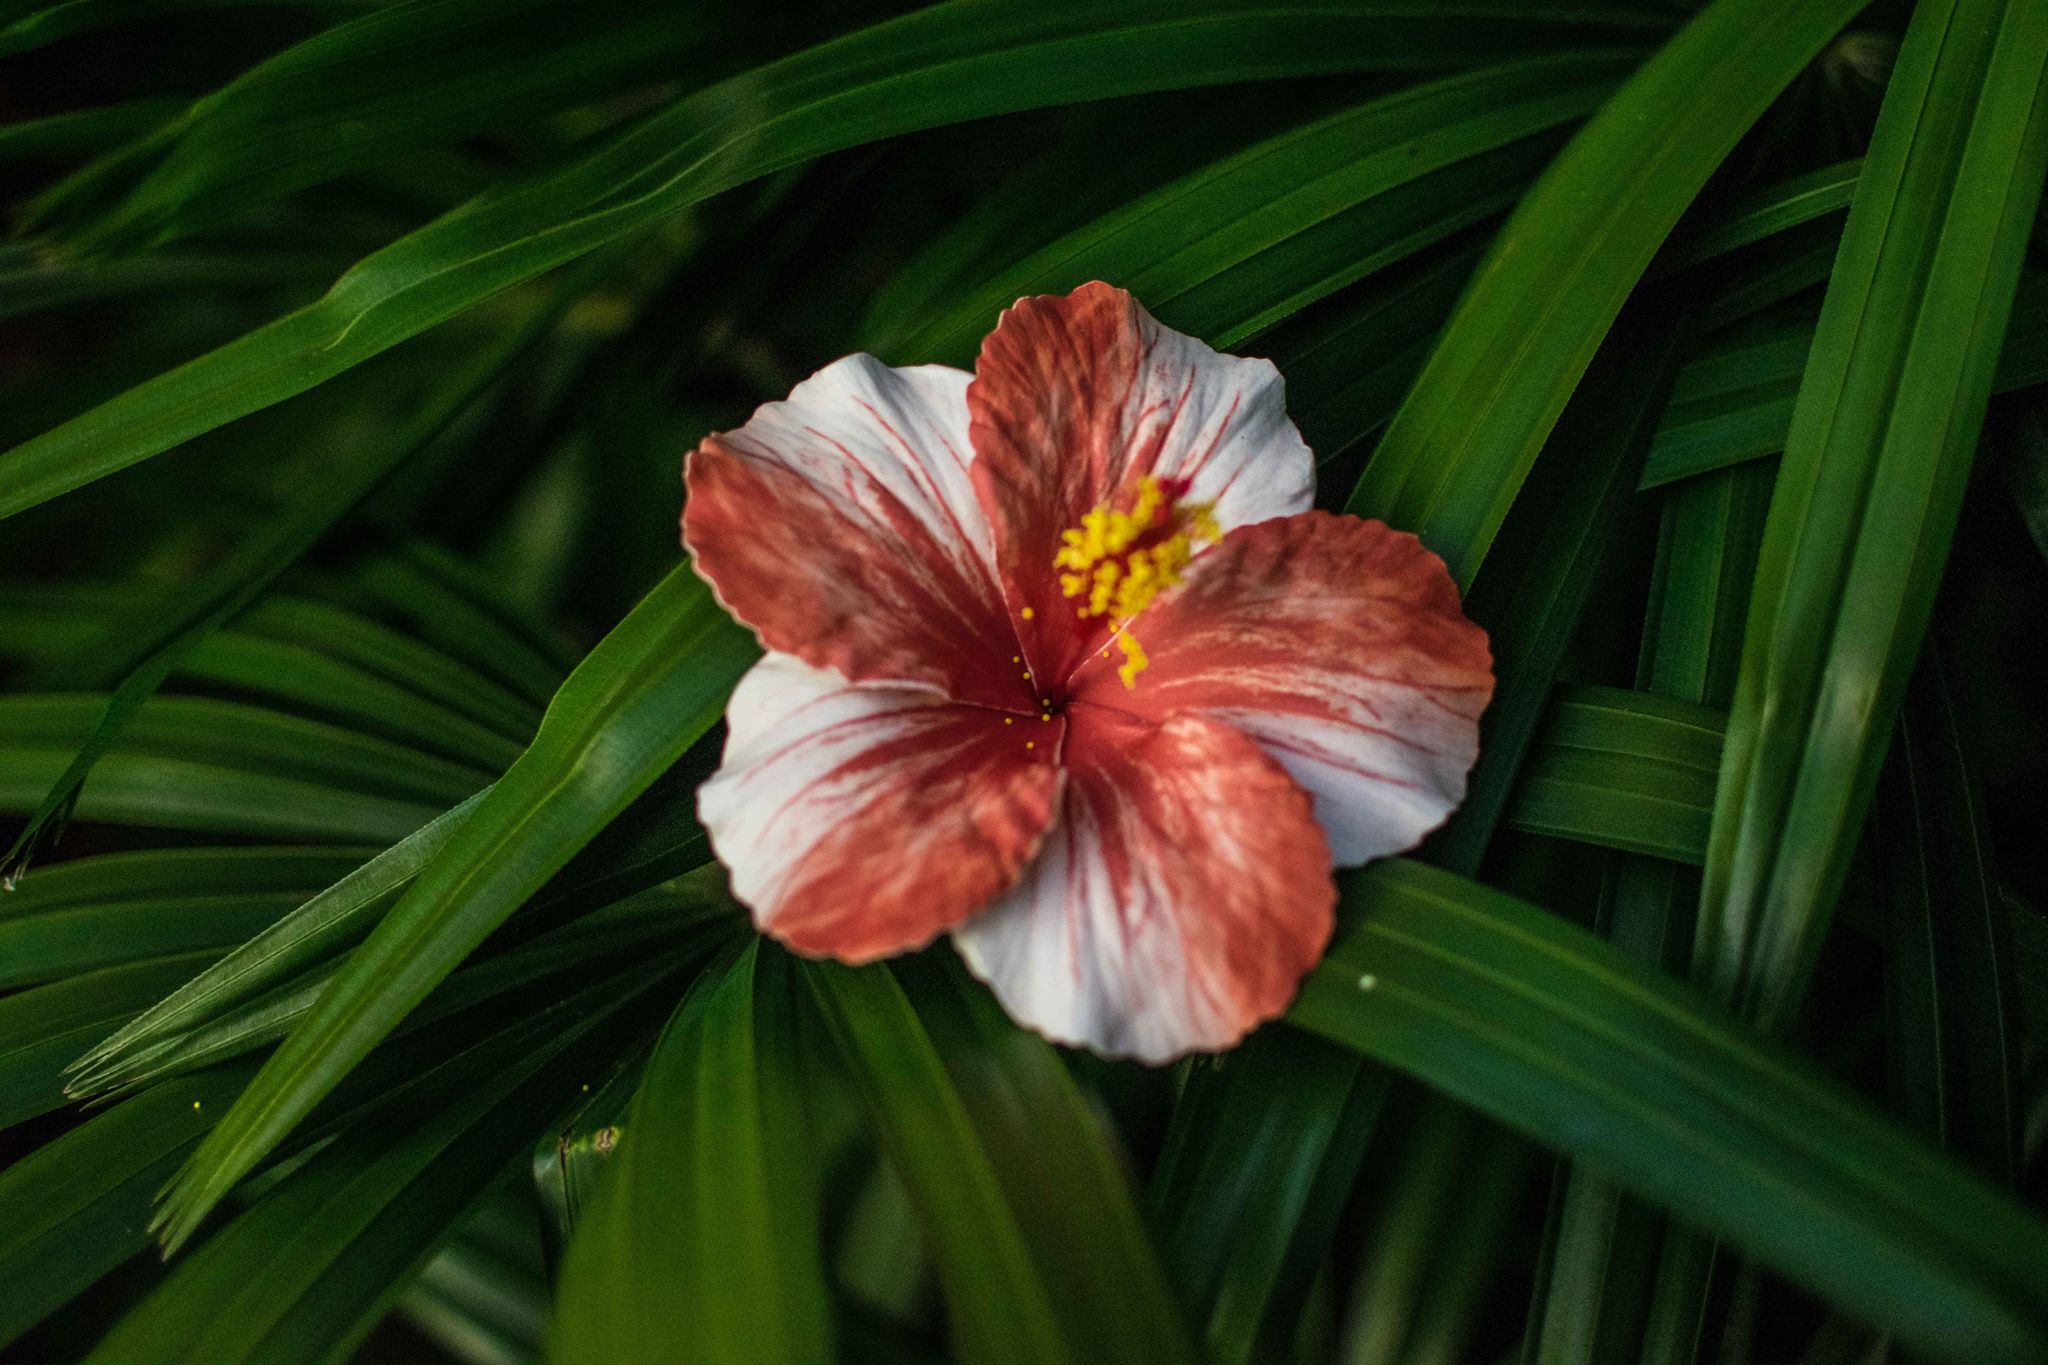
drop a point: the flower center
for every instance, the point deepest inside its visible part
(1127, 551)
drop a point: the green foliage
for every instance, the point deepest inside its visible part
(367, 986)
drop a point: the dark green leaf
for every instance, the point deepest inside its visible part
(1034, 1234)
(1543, 1026)
(1881, 444)
(705, 1242)
(1542, 301)
(964, 60)
(656, 683)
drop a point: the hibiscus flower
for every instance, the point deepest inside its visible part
(1061, 662)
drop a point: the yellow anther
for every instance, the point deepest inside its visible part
(1122, 558)
(1134, 659)
(1119, 559)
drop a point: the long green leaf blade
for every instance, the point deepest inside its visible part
(1450, 464)
(1550, 1030)
(656, 683)
(966, 60)
(1035, 1236)
(704, 1243)
(1866, 501)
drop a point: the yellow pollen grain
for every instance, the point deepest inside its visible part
(1046, 716)
(1016, 658)
(1008, 721)
(1029, 744)
(1027, 613)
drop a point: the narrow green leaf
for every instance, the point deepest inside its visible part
(367, 91)
(1706, 552)
(1774, 272)
(705, 1242)
(36, 280)
(140, 650)
(320, 928)
(1783, 206)
(1543, 1026)
(303, 1274)
(687, 917)
(1033, 1231)
(247, 738)
(42, 1029)
(1552, 549)
(1433, 1242)
(1231, 248)
(457, 607)
(1734, 401)
(1880, 447)
(143, 875)
(653, 685)
(484, 1297)
(395, 657)
(1949, 992)
(38, 25)
(312, 682)
(189, 794)
(48, 947)
(570, 1160)
(75, 1208)
(1252, 1184)
(81, 130)
(1451, 463)
(1347, 367)
(1618, 1284)
(1630, 770)
(946, 64)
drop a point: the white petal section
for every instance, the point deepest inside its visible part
(861, 820)
(1220, 422)
(842, 525)
(1377, 791)
(1179, 898)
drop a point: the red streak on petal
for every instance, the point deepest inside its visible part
(1341, 646)
(1182, 896)
(1076, 398)
(873, 596)
(959, 809)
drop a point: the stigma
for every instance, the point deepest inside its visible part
(1127, 551)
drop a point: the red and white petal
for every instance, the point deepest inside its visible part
(1179, 899)
(1077, 397)
(859, 820)
(1340, 646)
(842, 526)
